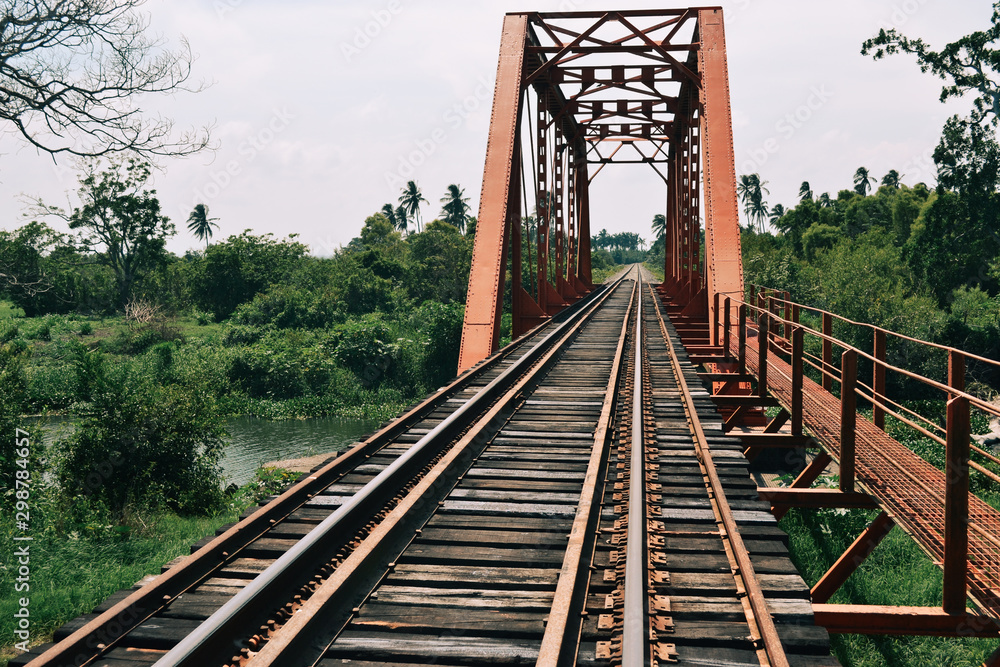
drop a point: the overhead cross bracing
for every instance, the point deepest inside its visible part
(576, 92)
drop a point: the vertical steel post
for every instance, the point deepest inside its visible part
(827, 352)
(956, 493)
(848, 418)
(716, 314)
(727, 326)
(878, 378)
(723, 262)
(762, 344)
(797, 367)
(742, 333)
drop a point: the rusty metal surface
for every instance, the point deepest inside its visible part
(723, 266)
(759, 616)
(558, 642)
(910, 488)
(600, 88)
(484, 301)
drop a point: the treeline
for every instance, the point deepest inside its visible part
(151, 351)
(923, 262)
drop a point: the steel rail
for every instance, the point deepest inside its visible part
(759, 617)
(223, 625)
(635, 644)
(288, 645)
(574, 574)
(95, 639)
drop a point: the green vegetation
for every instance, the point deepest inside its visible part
(897, 573)
(80, 558)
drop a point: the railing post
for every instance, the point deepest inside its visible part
(848, 418)
(742, 333)
(726, 336)
(714, 338)
(956, 492)
(795, 313)
(762, 343)
(797, 336)
(772, 315)
(827, 352)
(878, 379)
(786, 313)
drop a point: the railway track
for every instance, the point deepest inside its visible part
(572, 502)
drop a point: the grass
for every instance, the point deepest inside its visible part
(8, 309)
(897, 573)
(71, 574)
(75, 567)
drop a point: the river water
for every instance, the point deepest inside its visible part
(253, 442)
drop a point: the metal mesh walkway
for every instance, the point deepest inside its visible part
(909, 488)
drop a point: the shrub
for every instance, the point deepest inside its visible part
(140, 445)
(363, 347)
(13, 395)
(440, 325)
(8, 331)
(50, 386)
(86, 328)
(288, 307)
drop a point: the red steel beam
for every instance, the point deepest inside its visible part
(852, 559)
(481, 330)
(884, 620)
(723, 263)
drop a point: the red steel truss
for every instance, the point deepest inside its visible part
(574, 93)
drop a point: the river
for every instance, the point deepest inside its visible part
(253, 442)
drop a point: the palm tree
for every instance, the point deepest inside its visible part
(396, 217)
(825, 201)
(805, 191)
(862, 181)
(892, 179)
(751, 191)
(200, 224)
(456, 207)
(659, 226)
(410, 201)
(777, 213)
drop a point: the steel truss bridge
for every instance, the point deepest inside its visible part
(583, 495)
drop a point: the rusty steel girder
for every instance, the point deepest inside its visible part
(576, 92)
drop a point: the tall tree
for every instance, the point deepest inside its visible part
(777, 213)
(751, 191)
(410, 201)
(969, 64)
(396, 217)
(118, 219)
(73, 74)
(863, 181)
(825, 201)
(200, 224)
(456, 207)
(805, 191)
(892, 179)
(659, 226)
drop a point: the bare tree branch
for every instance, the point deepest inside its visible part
(71, 73)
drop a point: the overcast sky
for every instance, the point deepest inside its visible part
(318, 107)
